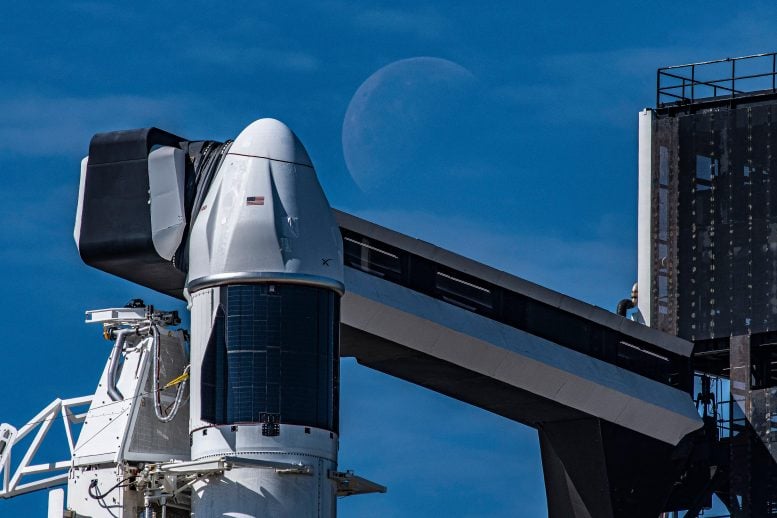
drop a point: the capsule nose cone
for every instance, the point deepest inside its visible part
(270, 138)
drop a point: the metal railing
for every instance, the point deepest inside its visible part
(716, 80)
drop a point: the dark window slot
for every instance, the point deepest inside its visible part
(566, 329)
(558, 326)
(459, 304)
(361, 253)
(463, 290)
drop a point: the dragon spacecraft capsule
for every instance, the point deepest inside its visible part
(244, 232)
(265, 277)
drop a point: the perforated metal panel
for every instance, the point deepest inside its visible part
(149, 435)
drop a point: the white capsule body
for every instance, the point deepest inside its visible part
(265, 217)
(264, 283)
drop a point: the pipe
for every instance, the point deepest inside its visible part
(113, 371)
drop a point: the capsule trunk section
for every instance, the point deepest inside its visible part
(268, 354)
(265, 359)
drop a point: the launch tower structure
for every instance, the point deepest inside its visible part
(708, 255)
(635, 416)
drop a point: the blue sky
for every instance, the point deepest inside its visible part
(518, 150)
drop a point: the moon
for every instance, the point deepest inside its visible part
(408, 122)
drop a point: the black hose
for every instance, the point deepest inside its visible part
(95, 493)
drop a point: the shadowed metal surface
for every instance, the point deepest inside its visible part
(471, 357)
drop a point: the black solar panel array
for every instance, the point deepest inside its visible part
(277, 360)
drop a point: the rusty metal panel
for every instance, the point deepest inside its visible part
(715, 222)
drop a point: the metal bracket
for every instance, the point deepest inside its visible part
(226, 463)
(218, 465)
(349, 484)
(116, 315)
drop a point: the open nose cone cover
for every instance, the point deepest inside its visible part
(270, 138)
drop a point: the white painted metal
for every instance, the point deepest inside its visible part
(110, 427)
(644, 218)
(56, 503)
(120, 436)
(350, 484)
(247, 439)
(265, 217)
(272, 139)
(117, 439)
(24, 477)
(196, 466)
(121, 502)
(118, 316)
(203, 311)
(80, 206)
(166, 172)
(7, 438)
(285, 475)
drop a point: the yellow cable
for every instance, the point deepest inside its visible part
(180, 379)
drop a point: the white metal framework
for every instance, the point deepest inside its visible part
(16, 480)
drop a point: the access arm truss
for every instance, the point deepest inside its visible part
(24, 477)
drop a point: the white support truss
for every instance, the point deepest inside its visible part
(17, 482)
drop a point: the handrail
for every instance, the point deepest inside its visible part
(670, 93)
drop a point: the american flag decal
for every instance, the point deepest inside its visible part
(255, 200)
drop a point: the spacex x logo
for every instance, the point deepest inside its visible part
(325, 262)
